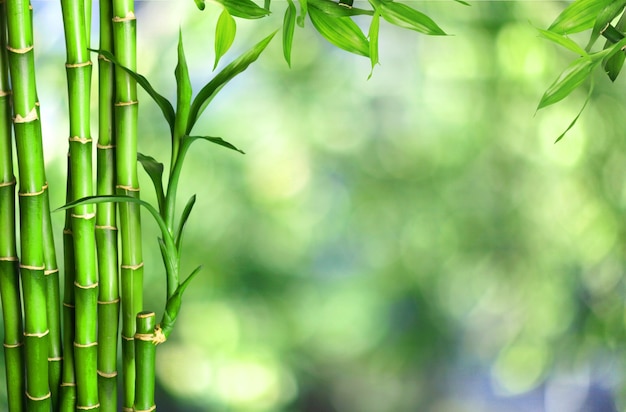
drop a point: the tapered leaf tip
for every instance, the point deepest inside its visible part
(200, 4)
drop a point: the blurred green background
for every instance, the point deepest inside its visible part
(415, 242)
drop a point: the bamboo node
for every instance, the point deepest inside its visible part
(152, 408)
(128, 103)
(82, 140)
(13, 345)
(69, 305)
(30, 194)
(129, 16)
(88, 408)
(146, 337)
(159, 336)
(108, 302)
(105, 146)
(86, 216)
(107, 374)
(126, 338)
(101, 57)
(132, 267)
(8, 259)
(30, 117)
(27, 267)
(50, 272)
(10, 183)
(70, 384)
(5, 92)
(77, 65)
(127, 188)
(92, 286)
(19, 51)
(55, 359)
(127, 409)
(68, 232)
(105, 227)
(37, 398)
(85, 345)
(37, 334)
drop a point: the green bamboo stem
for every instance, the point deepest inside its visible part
(106, 229)
(68, 379)
(9, 271)
(124, 35)
(146, 353)
(32, 193)
(78, 68)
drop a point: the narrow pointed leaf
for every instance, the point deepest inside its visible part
(246, 9)
(304, 10)
(340, 31)
(604, 18)
(578, 16)
(567, 82)
(463, 2)
(289, 25)
(162, 102)
(563, 41)
(200, 4)
(224, 35)
(183, 93)
(373, 37)
(236, 67)
(336, 10)
(401, 15)
(154, 169)
(216, 140)
(573, 122)
(172, 307)
(613, 64)
(183, 221)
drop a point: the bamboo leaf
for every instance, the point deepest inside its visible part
(162, 102)
(183, 94)
(216, 140)
(613, 64)
(568, 81)
(604, 18)
(183, 221)
(578, 16)
(573, 122)
(563, 41)
(463, 2)
(172, 307)
(336, 10)
(154, 169)
(401, 15)
(373, 37)
(224, 35)
(246, 9)
(304, 10)
(236, 67)
(340, 31)
(200, 4)
(289, 25)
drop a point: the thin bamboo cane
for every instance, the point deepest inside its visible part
(78, 68)
(124, 36)
(106, 229)
(9, 272)
(31, 192)
(146, 353)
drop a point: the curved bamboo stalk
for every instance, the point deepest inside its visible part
(106, 225)
(9, 272)
(78, 67)
(124, 40)
(31, 192)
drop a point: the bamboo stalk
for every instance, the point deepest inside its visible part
(31, 193)
(9, 271)
(146, 353)
(78, 68)
(106, 225)
(124, 40)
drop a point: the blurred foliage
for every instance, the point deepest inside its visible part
(411, 242)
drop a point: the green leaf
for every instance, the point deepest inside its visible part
(200, 4)
(463, 2)
(573, 122)
(373, 37)
(563, 41)
(613, 64)
(336, 10)
(236, 67)
(289, 25)
(604, 18)
(183, 95)
(340, 31)
(401, 15)
(568, 81)
(304, 10)
(224, 35)
(217, 140)
(183, 221)
(246, 9)
(578, 16)
(154, 169)
(162, 102)
(174, 302)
